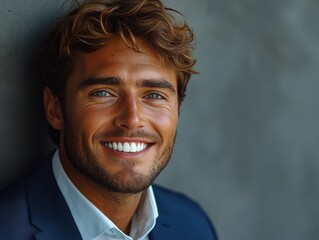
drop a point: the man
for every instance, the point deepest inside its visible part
(115, 75)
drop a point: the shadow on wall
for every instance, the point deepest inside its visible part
(22, 123)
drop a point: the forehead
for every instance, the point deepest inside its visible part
(117, 59)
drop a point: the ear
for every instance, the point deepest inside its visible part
(53, 110)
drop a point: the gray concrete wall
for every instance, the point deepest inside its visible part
(248, 136)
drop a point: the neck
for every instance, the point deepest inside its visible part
(118, 207)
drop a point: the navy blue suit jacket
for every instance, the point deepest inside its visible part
(34, 208)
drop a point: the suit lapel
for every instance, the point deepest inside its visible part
(163, 229)
(48, 209)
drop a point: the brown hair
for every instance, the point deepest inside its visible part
(88, 27)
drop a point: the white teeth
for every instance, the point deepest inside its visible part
(138, 147)
(133, 147)
(114, 146)
(126, 146)
(120, 147)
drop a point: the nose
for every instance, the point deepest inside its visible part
(130, 115)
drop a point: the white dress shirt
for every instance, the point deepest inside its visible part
(92, 223)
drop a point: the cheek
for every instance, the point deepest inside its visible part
(165, 122)
(87, 120)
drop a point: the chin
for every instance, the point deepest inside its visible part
(124, 181)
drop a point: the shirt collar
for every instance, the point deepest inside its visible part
(90, 221)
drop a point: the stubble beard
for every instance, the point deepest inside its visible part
(125, 181)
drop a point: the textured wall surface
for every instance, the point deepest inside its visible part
(248, 137)
(24, 28)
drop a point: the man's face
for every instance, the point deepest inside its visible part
(120, 116)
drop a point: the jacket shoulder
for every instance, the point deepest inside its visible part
(184, 214)
(14, 217)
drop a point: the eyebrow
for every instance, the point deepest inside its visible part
(100, 80)
(158, 83)
(116, 81)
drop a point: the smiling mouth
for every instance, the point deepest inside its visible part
(128, 147)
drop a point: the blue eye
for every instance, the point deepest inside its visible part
(154, 96)
(101, 93)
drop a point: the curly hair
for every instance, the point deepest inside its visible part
(91, 23)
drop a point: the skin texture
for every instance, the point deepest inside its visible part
(115, 94)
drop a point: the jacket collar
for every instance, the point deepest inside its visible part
(48, 209)
(165, 225)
